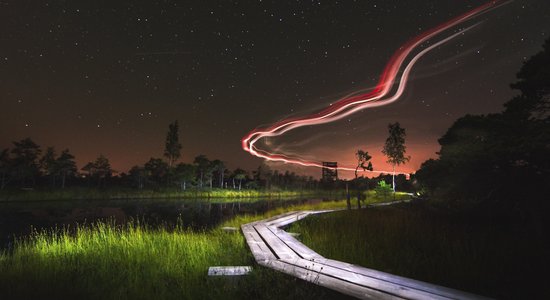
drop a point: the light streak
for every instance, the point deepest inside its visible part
(378, 96)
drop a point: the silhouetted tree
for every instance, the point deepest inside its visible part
(534, 85)
(5, 164)
(219, 167)
(240, 175)
(157, 170)
(184, 173)
(138, 175)
(99, 170)
(203, 164)
(262, 175)
(65, 166)
(394, 148)
(362, 158)
(48, 164)
(25, 160)
(172, 148)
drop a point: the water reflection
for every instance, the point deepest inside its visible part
(16, 219)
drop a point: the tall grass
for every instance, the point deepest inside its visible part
(121, 193)
(136, 261)
(489, 257)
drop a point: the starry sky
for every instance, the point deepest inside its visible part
(109, 76)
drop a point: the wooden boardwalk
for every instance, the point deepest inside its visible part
(274, 248)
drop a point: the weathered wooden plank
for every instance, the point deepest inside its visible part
(366, 281)
(344, 287)
(268, 220)
(293, 234)
(301, 249)
(399, 280)
(230, 229)
(259, 242)
(229, 271)
(280, 249)
(257, 246)
(287, 217)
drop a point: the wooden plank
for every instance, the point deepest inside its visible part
(229, 271)
(320, 279)
(279, 216)
(257, 246)
(297, 217)
(230, 229)
(397, 290)
(434, 289)
(274, 221)
(301, 249)
(288, 219)
(256, 240)
(280, 249)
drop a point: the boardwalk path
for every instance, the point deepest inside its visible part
(274, 248)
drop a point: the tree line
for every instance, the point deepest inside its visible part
(26, 165)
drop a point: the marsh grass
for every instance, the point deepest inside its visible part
(497, 258)
(136, 261)
(220, 195)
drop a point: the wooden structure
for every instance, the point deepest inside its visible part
(229, 271)
(274, 248)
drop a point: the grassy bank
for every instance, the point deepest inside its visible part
(493, 257)
(106, 261)
(110, 194)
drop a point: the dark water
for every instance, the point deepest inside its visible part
(17, 219)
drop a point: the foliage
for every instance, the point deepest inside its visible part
(25, 164)
(156, 170)
(395, 148)
(240, 175)
(383, 189)
(172, 148)
(362, 158)
(534, 85)
(203, 165)
(499, 158)
(65, 166)
(100, 169)
(184, 174)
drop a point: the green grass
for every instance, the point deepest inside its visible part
(492, 257)
(119, 193)
(108, 261)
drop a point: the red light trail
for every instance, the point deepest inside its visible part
(378, 96)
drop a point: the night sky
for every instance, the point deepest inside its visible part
(109, 76)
